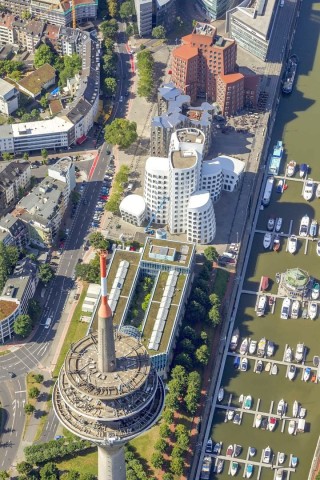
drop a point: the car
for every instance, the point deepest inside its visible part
(95, 224)
(104, 198)
(121, 99)
(34, 166)
(58, 437)
(108, 152)
(12, 374)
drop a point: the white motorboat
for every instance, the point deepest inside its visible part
(318, 191)
(315, 292)
(279, 475)
(244, 364)
(230, 415)
(262, 347)
(259, 366)
(276, 243)
(268, 366)
(270, 348)
(220, 394)
(249, 470)
(217, 448)
(307, 374)
(281, 458)
(299, 352)
(288, 354)
(247, 402)
(292, 372)
(281, 407)
(291, 168)
(252, 346)
(244, 346)
(267, 239)
(252, 452)
(312, 310)
(304, 226)
(292, 244)
(295, 309)
(266, 455)
(258, 420)
(234, 468)
(285, 309)
(274, 369)
(303, 412)
(318, 248)
(295, 409)
(272, 423)
(313, 228)
(292, 427)
(278, 224)
(308, 188)
(261, 307)
(220, 466)
(234, 339)
(241, 398)
(229, 451)
(209, 446)
(270, 224)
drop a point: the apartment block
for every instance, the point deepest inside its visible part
(9, 98)
(13, 232)
(37, 81)
(14, 177)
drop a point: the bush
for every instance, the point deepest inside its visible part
(34, 392)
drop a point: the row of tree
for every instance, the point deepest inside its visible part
(49, 471)
(9, 256)
(145, 65)
(45, 452)
(122, 176)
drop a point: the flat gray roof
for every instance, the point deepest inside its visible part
(259, 23)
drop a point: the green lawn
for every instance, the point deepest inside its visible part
(87, 462)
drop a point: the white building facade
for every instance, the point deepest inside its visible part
(133, 209)
(201, 221)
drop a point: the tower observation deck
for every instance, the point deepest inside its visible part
(107, 391)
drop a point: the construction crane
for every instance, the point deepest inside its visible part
(153, 216)
(73, 11)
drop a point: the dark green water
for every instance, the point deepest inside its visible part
(298, 125)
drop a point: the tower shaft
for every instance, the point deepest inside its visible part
(106, 348)
(111, 463)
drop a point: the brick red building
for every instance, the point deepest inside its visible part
(230, 93)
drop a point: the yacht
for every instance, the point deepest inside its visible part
(234, 339)
(292, 372)
(282, 457)
(307, 191)
(267, 239)
(312, 310)
(270, 348)
(288, 355)
(270, 224)
(304, 226)
(266, 455)
(262, 347)
(291, 168)
(252, 346)
(261, 307)
(278, 224)
(315, 291)
(281, 408)
(279, 475)
(292, 244)
(292, 427)
(313, 228)
(295, 309)
(299, 352)
(244, 346)
(285, 309)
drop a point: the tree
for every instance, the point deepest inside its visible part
(129, 30)
(44, 154)
(122, 175)
(214, 316)
(168, 476)
(168, 415)
(159, 32)
(177, 452)
(204, 336)
(7, 156)
(49, 471)
(145, 302)
(4, 475)
(113, 8)
(24, 468)
(178, 380)
(126, 10)
(201, 297)
(211, 254)
(109, 28)
(164, 430)
(26, 156)
(185, 360)
(214, 300)
(13, 256)
(44, 101)
(43, 55)
(196, 312)
(202, 354)
(45, 273)
(109, 44)
(98, 241)
(145, 64)
(157, 459)
(172, 401)
(38, 377)
(71, 475)
(28, 408)
(72, 65)
(193, 392)
(186, 345)
(87, 476)
(22, 325)
(34, 392)
(111, 86)
(161, 445)
(121, 132)
(189, 332)
(181, 429)
(183, 441)
(113, 203)
(177, 465)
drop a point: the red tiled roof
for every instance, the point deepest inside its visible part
(197, 39)
(231, 77)
(185, 52)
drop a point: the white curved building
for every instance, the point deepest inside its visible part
(221, 173)
(156, 189)
(201, 221)
(133, 209)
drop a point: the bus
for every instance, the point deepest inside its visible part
(48, 322)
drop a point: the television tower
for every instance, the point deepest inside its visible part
(107, 391)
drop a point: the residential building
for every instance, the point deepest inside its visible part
(165, 13)
(18, 290)
(201, 222)
(133, 209)
(14, 177)
(230, 93)
(41, 79)
(6, 138)
(59, 12)
(251, 25)
(16, 7)
(13, 232)
(64, 171)
(28, 34)
(9, 98)
(144, 10)
(156, 189)
(6, 28)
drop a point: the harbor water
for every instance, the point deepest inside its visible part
(298, 126)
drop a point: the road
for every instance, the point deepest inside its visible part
(40, 351)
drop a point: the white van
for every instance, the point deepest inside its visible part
(48, 322)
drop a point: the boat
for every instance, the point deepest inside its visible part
(303, 170)
(209, 446)
(307, 191)
(272, 424)
(306, 374)
(295, 309)
(278, 277)
(294, 461)
(292, 372)
(290, 74)
(279, 474)
(304, 226)
(281, 458)
(303, 412)
(312, 310)
(299, 352)
(304, 313)
(315, 291)
(237, 419)
(276, 243)
(244, 365)
(268, 366)
(217, 448)
(281, 407)
(252, 452)
(244, 346)
(241, 398)
(314, 378)
(252, 346)
(275, 159)
(318, 248)
(264, 283)
(237, 450)
(234, 339)
(285, 309)
(234, 468)
(229, 451)
(292, 244)
(220, 466)
(318, 191)
(271, 301)
(268, 191)
(267, 240)
(262, 347)
(270, 224)
(264, 423)
(206, 467)
(288, 354)
(295, 409)
(315, 361)
(220, 394)
(258, 420)
(270, 348)
(292, 427)
(247, 403)
(280, 186)
(259, 366)
(266, 455)
(313, 228)
(261, 307)
(230, 415)
(278, 224)
(291, 168)
(236, 362)
(274, 369)
(249, 470)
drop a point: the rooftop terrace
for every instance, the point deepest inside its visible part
(182, 257)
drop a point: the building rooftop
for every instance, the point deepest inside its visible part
(62, 166)
(169, 91)
(259, 23)
(231, 77)
(15, 285)
(35, 81)
(199, 199)
(10, 172)
(41, 127)
(183, 158)
(182, 252)
(189, 135)
(223, 162)
(158, 165)
(133, 204)
(186, 52)
(12, 224)
(5, 87)
(7, 307)
(55, 106)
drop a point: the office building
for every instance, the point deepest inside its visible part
(9, 98)
(13, 232)
(151, 13)
(14, 177)
(220, 174)
(216, 9)
(201, 225)
(144, 16)
(230, 93)
(133, 209)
